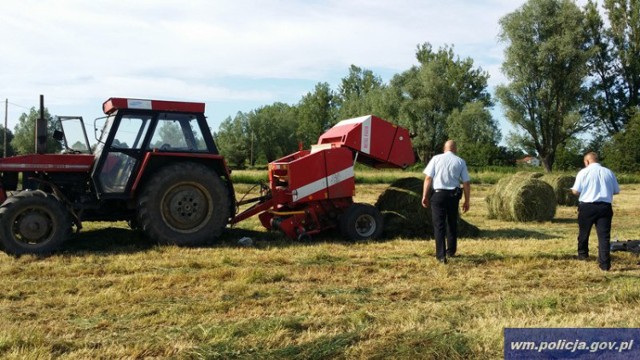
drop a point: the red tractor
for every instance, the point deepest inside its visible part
(156, 166)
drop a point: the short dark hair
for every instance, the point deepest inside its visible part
(591, 155)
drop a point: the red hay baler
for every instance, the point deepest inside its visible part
(312, 190)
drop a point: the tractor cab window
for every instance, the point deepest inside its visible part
(124, 152)
(178, 133)
(131, 131)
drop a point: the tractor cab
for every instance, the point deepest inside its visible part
(134, 128)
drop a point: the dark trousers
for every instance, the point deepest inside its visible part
(600, 214)
(444, 211)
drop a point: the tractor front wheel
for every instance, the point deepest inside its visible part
(361, 222)
(184, 204)
(33, 222)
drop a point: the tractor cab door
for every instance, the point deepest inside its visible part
(73, 135)
(119, 151)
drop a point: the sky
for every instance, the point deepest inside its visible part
(233, 55)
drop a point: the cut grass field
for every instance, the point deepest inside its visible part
(113, 294)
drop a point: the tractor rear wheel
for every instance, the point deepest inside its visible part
(184, 204)
(33, 222)
(361, 222)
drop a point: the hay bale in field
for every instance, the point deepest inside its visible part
(521, 198)
(529, 174)
(561, 185)
(401, 207)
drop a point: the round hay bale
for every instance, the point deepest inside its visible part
(529, 174)
(495, 199)
(561, 185)
(521, 198)
(401, 207)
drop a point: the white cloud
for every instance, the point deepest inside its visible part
(79, 51)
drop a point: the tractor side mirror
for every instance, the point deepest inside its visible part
(99, 125)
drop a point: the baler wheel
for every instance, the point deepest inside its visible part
(33, 222)
(361, 222)
(184, 204)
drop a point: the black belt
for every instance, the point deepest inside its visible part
(444, 190)
(595, 203)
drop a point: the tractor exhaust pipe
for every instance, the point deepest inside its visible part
(41, 130)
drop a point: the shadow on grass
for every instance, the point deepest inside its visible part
(114, 240)
(107, 241)
(565, 221)
(513, 234)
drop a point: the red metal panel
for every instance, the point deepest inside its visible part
(401, 153)
(382, 135)
(308, 178)
(340, 176)
(346, 133)
(114, 104)
(48, 163)
(377, 141)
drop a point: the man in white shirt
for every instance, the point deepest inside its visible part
(595, 185)
(445, 172)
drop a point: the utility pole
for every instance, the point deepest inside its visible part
(251, 151)
(6, 110)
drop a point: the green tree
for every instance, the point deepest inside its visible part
(383, 102)
(520, 143)
(476, 133)
(234, 140)
(353, 91)
(316, 112)
(427, 94)
(274, 130)
(569, 155)
(623, 153)
(615, 66)
(546, 64)
(169, 133)
(24, 133)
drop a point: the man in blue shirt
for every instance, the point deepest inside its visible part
(445, 172)
(595, 185)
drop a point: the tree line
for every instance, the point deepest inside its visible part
(573, 85)
(442, 97)
(570, 78)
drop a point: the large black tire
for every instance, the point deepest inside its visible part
(361, 222)
(33, 222)
(184, 204)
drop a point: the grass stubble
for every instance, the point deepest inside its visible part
(113, 294)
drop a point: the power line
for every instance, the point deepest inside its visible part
(20, 106)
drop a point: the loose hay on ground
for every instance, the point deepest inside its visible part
(401, 207)
(521, 198)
